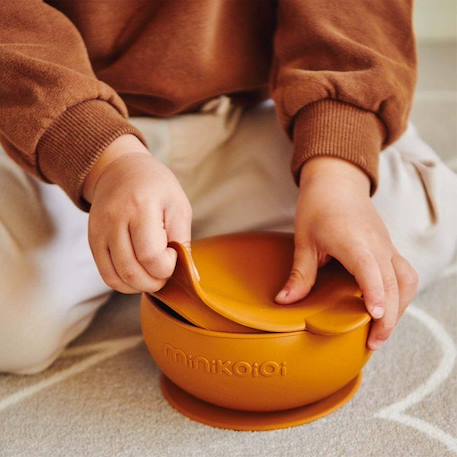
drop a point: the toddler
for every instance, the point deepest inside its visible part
(129, 124)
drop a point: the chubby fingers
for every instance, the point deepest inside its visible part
(377, 280)
(178, 223)
(408, 281)
(388, 284)
(383, 327)
(101, 251)
(127, 266)
(134, 257)
(102, 256)
(149, 241)
(363, 264)
(400, 282)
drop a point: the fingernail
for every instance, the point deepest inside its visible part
(282, 295)
(378, 312)
(376, 344)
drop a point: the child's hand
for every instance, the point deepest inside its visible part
(336, 217)
(138, 206)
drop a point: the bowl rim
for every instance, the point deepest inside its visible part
(245, 336)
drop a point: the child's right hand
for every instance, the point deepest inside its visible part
(138, 206)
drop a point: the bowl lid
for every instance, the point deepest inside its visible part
(228, 283)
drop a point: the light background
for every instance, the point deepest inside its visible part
(436, 19)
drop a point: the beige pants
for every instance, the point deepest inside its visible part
(234, 167)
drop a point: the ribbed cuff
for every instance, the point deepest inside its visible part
(72, 144)
(337, 129)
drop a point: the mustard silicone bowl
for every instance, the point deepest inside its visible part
(266, 373)
(232, 357)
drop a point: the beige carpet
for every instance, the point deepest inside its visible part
(102, 397)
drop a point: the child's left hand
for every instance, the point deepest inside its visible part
(336, 218)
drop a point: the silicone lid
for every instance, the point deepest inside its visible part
(191, 308)
(229, 282)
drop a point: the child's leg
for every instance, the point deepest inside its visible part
(50, 288)
(417, 199)
(244, 183)
(49, 285)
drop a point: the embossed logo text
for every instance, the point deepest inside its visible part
(239, 368)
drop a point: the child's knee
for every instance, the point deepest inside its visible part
(417, 202)
(39, 320)
(31, 334)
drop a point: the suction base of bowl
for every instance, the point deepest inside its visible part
(231, 419)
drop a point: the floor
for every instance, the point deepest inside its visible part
(102, 397)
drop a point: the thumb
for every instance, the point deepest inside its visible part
(179, 227)
(302, 276)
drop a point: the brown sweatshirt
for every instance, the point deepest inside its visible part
(342, 74)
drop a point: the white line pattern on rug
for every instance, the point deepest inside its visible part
(396, 411)
(103, 350)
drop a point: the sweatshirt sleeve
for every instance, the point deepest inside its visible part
(56, 117)
(343, 78)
